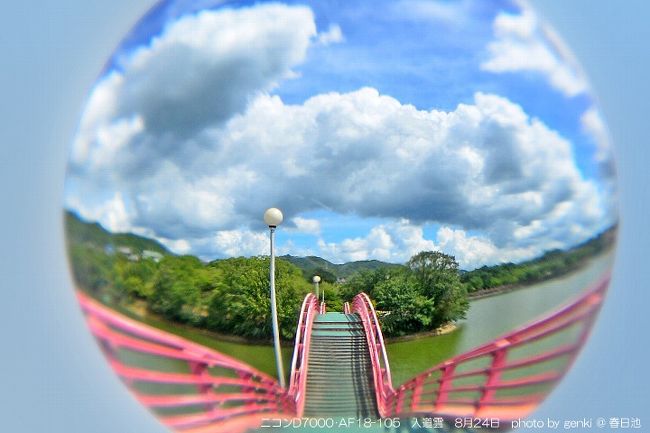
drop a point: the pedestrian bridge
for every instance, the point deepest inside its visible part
(339, 375)
(340, 369)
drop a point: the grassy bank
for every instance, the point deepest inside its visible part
(258, 355)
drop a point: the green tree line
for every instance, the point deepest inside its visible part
(550, 265)
(231, 296)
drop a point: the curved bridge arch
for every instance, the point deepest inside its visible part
(506, 378)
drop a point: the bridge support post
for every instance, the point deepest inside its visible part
(417, 392)
(494, 376)
(446, 382)
(200, 370)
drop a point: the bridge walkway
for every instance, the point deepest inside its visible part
(339, 375)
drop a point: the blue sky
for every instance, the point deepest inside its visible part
(380, 128)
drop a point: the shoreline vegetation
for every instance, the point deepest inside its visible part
(493, 280)
(226, 299)
(493, 292)
(140, 312)
(508, 288)
(445, 329)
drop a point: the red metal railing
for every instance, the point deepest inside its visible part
(301, 353)
(323, 308)
(213, 392)
(508, 377)
(346, 308)
(381, 369)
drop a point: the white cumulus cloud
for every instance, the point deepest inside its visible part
(145, 123)
(237, 243)
(333, 35)
(593, 124)
(400, 240)
(112, 212)
(486, 166)
(523, 44)
(186, 142)
(378, 244)
(475, 251)
(307, 225)
(197, 74)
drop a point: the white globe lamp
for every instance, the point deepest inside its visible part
(273, 217)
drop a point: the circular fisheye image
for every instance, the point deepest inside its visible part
(397, 215)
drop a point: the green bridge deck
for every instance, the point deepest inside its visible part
(339, 377)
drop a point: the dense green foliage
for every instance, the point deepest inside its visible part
(437, 276)
(550, 265)
(420, 296)
(231, 296)
(241, 304)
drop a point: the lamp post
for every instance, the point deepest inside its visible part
(273, 218)
(316, 280)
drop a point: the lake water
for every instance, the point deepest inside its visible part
(491, 317)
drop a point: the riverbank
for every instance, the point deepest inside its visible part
(441, 330)
(497, 291)
(217, 341)
(501, 290)
(507, 288)
(259, 355)
(139, 311)
(491, 317)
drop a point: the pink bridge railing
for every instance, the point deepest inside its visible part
(193, 389)
(506, 378)
(362, 306)
(300, 360)
(212, 393)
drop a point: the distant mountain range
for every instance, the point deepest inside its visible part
(79, 231)
(84, 232)
(328, 271)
